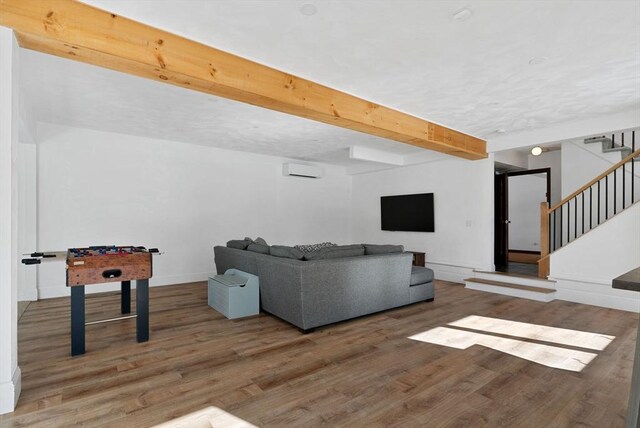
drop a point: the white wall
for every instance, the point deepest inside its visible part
(97, 188)
(525, 194)
(463, 203)
(580, 166)
(512, 157)
(27, 219)
(553, 161)
(9, 370)
(583, 269)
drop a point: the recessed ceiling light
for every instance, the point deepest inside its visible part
(501, 131)
(538, 60)
(462, 15)
(308, 9)
(536, 151)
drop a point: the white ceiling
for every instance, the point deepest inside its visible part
(410, 55)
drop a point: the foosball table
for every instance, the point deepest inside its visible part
(104, 264)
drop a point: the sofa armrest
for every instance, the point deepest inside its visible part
(281, 288)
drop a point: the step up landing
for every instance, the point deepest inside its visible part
(541, 290)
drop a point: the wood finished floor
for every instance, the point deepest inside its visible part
(363, 372)
(519, 268)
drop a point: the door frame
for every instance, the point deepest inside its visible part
(500, 216)
(501, 212)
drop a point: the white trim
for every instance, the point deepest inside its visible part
(602, 294)
(581, 279)
(448, 272)
(9, 72)
(473, 265)
(10, 392)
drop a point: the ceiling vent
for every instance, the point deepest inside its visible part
(300, 170)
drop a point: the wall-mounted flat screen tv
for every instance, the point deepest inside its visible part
(407, 213)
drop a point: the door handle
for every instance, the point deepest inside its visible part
(507, 221)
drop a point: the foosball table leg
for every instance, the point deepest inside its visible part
(77, 320)
(125, 297)
(142, 309)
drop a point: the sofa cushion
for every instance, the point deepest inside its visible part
(239, 244)
(314, 247)
(370, 249)
(260, 241)
(420, 275)
(257, 248)
(335, 252)
(286, 252)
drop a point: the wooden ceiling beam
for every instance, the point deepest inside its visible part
(80, 32)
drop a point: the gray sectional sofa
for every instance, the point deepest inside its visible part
(317, 292)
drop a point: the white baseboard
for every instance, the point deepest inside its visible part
(49, 292)
(30, 296)
(452, 273)
(10, 392)
(602, 295)
(580, 290)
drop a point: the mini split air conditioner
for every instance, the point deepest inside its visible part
(300, 170)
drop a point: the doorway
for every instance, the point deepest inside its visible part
(518, 195)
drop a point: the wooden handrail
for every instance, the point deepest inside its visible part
(543, 262)
(594, 181)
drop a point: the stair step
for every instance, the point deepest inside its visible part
(519, 279)
(515, 275)
(511, 285)
(530, 292)
(625, 150)
(602, 139)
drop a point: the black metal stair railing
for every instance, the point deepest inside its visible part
(597, 201)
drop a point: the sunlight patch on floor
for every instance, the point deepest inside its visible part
(562, 336)
(487, 329)
(207, 418)
(550, 356)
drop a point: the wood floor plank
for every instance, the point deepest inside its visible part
(360, 372)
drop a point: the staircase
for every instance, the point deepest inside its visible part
(609, 145)
(599, 200)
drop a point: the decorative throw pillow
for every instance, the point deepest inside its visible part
(238, 244)
(286, 252)
(370, 249)
(260, 241)
(335, 252)
(257, 248)
(314, 247)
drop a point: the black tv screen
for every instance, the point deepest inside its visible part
(407, 213)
